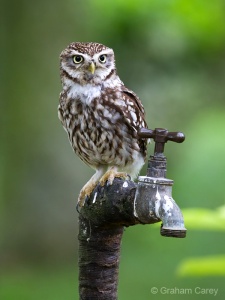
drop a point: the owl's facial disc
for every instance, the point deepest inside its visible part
(88, 66)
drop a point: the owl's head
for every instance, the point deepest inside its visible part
(87, 62)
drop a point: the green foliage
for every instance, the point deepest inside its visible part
(209, 220)
(189, 25)
(205, 219)
(202, 266)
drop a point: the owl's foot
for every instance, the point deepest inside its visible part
(89, 187)
(85, 192)
(93, 182)
(110, 176)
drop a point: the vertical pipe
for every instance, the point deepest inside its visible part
(99, 255)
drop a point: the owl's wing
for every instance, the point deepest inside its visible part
(135, 116)
(136, 112)
(134, 98)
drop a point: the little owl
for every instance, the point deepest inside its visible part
(101, 116)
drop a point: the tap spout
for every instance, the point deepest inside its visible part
(154, 202)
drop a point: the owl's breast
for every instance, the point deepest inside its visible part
(98, 133)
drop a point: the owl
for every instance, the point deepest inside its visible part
(100, 115)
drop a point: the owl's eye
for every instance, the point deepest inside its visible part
(102, 58)
(78, 59)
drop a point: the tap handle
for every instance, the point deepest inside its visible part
(161, 136)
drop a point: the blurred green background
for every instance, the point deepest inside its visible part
(172, 54)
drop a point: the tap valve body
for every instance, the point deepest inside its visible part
(153, 199)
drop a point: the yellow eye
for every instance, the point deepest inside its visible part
(78, 59)
(102, 58)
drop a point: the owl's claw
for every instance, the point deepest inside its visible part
(78, 208)
(110, 176)
(128, 177)
(84, 195)
(81, 202)
(86, 192)
(88, 188)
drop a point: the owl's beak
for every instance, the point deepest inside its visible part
(92, 68)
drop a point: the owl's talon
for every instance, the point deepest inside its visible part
(81, 202)
(110, 175)
(88, 189)
(78, 208)
(128, 177)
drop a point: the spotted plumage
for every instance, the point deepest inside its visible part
(101, 116)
